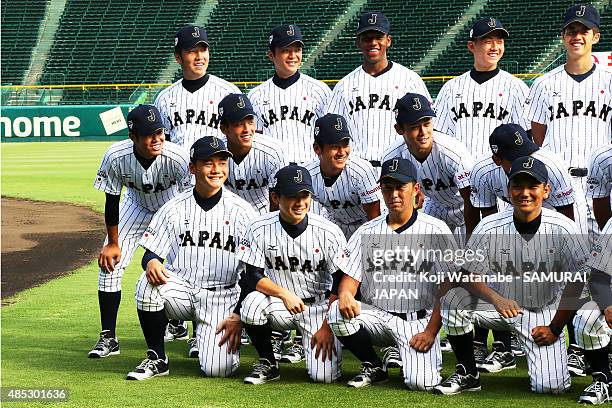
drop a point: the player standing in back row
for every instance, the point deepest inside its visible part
(366, 96)
(288, 104)
(570, 107)
(471, 105)
(153, 171)
(189, 106)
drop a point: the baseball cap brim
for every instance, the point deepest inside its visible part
(586, 23)
(503, 31)
(410, 120)
(239, 115)
(149, 130)
(364, 29)
(402, 178)
(192, 44)
(286, 44)
(204, 156)
(293, 189)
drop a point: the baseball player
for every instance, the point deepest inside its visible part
(255, 158)
(599, 183)
(537, 264)
(443, 163)
(152, 171)
(189, 106)
(189, 110)
(570, 107)
(197, 234)
(471, 105)
(346, 186)
(366, 96)
(594, 320)
(381, 317)
(288, 104)
(288, 256)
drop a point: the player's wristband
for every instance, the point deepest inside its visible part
(148, 256)
(556, 330)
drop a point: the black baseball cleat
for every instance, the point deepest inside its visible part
(263, 372)
(106, 346)
(445, 345)
(458, 382)
(152, 366)
(391, 357)
(498, 360)
(575, 361)
(369, 375)
(480, 353)
(293, 354)
(515, 344)
(597, 392)
(176, 330)
(194, 352)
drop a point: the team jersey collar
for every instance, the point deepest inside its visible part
(285, 83)
(527, 229)
(144, 162)
(207, 203)
(483, 76)
(581, 77)
(193, 85)
(296, 230)
(408, 223)
(384, 71)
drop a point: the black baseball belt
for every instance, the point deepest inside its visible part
(375, 163)
(578, 171)
(214, 288)
(420, 314)
(314, 299)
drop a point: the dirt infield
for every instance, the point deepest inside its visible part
(41, 241)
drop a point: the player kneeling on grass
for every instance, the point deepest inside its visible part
(197, 234)
(152, 171)
(294, 250)
(515, 247)
(407, 321)
(345, 185)
(594, 320)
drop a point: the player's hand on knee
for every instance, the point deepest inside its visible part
(422, 341)
(608, 315)
(156, 273)
(543, 336)
(323, 342)
(110, 255)
(231, 326)
(347, 305)
(293, 303)
(507, 308)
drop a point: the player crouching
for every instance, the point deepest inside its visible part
(513, 244)
(196, 233)
(294, 250)
(406, 321)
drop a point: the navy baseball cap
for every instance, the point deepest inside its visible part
(486, 26)
(190, 36)
(399, 169)
(373, 21)
(235, 107)
(293, 179)
(285, 34)
(331, 129)
(529, 165)
(510, 141)
(413, 107)
(583, 13)
(144, 120)
(208, 146)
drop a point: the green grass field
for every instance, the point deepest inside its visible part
(47, 331)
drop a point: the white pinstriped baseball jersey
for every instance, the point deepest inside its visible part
(189, 116)
(469, 111)
(599, 180)
(356, 185)
(600, 257)
(250, 178)
(578, 115)
(556, 246)
(488, 182)
(199, 246)
(367, 103)
(426, 233)
(149, 188)
(288, 115)
(445, 171)
(302, 265)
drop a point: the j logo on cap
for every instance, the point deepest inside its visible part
(417, 104)
(338, 125)
(214, 143)
(151, 117)
(580, 13)
(291, 31)
(372, 19)
(492, 22)
(196, 32)
(394, 165)
(519, 139)
(529, 163)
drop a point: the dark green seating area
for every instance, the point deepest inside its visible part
(19, 31)
(415, 26)
(115, 41)
(239, 32)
